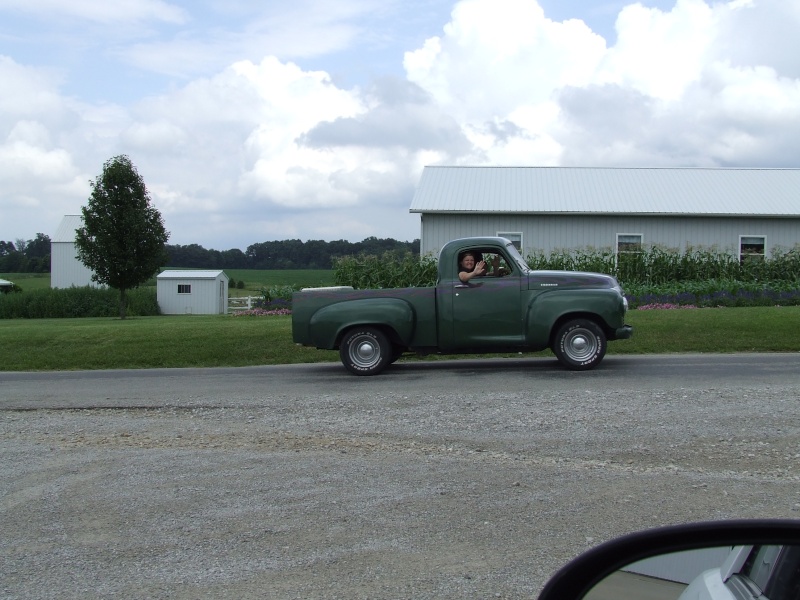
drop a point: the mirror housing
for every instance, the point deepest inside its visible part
(575, 579)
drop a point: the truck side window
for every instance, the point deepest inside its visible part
(495, 263)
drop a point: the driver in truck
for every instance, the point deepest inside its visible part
(470, 265)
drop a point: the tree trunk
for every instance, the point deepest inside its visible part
(122, 303)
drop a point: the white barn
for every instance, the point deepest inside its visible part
(192, 292)
(65, 268)
(748, 211)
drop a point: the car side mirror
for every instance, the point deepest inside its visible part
(635, 566)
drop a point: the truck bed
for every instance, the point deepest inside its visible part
(307, 305)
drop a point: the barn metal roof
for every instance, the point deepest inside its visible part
(601, 190)
(189, 274)
(66, 229)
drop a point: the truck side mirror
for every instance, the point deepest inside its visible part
(589, 576)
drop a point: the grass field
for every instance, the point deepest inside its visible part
(255, 279)
(223, 340)
(28, 281)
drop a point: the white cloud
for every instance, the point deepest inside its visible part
(670, 91)
(290, 31)
(658, 53)
(27, 92)
(496, 55)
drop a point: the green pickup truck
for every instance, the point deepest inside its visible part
(509, 308)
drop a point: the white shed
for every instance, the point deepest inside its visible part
(192, 292)
(65, 268)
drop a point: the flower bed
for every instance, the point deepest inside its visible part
(261, 312)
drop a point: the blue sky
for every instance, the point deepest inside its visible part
(253, 121)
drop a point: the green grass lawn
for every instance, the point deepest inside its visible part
(223, 340)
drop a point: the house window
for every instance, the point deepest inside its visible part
(184, 288)
(513, 237)
(752, 247)
(629, 243)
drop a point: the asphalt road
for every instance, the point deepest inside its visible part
(457, 479)
(249, 385)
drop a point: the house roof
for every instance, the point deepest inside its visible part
(5, 283)
(66, 229)
(599, 190)
(190, 274)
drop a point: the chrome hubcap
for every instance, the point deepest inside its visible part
(580, 345)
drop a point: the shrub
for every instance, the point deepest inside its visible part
(240, 284)
(10, 289)
(231, 283)
(77, 302)
(275, 298)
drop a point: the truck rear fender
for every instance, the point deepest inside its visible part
(395, 317)
(548, 311)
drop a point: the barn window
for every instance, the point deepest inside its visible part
(513, 237)
(629, 243)
(752, 247)
(184, 288)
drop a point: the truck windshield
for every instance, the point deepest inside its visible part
(515, 256)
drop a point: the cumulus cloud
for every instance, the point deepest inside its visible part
(28, 92)
(670, 91)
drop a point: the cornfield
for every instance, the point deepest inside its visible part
(657, 266)
(390, 270)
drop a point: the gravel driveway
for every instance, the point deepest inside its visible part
(470, 480)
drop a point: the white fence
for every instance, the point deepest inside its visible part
(242, 303)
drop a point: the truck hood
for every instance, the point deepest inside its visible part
(538, 280)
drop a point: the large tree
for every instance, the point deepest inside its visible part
(122, 239)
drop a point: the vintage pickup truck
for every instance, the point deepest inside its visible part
(509, 309)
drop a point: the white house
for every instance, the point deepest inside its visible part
(192, 292)
(747, 211)
(65, 268)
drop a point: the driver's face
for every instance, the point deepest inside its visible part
(468, 261)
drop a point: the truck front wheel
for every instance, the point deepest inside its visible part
(365, 351)
(580, 344)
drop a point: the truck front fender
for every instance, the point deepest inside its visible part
(329, 323)
(550, 308)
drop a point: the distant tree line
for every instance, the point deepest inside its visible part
(285, 254)
(26, 256)
(33, 256)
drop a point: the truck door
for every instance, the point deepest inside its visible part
(486, 312)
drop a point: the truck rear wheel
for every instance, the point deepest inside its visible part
(580, 344)
(365, 351)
